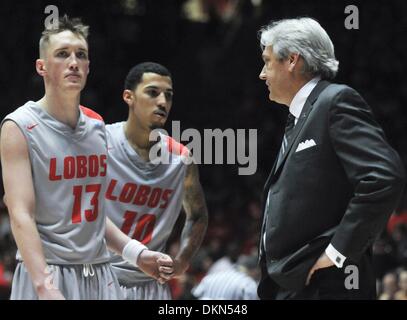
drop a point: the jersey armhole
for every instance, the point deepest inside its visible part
(91, 114)
(177, 148)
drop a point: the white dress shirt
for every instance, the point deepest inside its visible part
(301, 96)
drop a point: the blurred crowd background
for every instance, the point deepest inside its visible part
(212, 50)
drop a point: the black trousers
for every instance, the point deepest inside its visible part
(352, 282)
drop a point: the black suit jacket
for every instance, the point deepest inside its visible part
(340, 191)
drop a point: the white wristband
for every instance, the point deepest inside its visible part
(132, 250)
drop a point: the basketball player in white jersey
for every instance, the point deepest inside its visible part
(54, 159)
(144, 198)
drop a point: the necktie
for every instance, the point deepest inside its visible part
(286, 139)
(289, 126)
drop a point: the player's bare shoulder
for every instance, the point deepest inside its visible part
(12, 139)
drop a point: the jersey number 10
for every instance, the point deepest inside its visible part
(144, 226)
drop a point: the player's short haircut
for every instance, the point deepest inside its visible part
(135, 74)
(306, 37)
(74, 25)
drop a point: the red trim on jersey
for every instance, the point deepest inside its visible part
(91, 114)
(176, 147)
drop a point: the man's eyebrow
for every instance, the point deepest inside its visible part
(264, 57)
(155, 87)
(65, 48)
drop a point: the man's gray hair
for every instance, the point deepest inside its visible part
(306, 37)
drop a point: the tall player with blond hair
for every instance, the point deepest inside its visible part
(54, 160)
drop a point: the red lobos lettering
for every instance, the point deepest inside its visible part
(78, 167)
(141, 196)
(138, 195)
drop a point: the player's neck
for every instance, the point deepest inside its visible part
(139, 139)
(62, 106)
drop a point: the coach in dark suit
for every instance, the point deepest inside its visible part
(336, 180)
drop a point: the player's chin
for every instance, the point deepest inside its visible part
(73, 86)
(154, 126)
(158, 124)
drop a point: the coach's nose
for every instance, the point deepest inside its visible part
(262, 74)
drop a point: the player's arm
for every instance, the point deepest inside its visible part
(20, 200)
(115, 239)
(153, 263)
(196, 220)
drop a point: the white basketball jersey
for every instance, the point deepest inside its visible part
(69, 176)
(143, 199)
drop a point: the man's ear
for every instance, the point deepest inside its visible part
(293, 59)
(128, 96)
(40, 67)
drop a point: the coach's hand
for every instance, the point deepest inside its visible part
(322, 262)
(157, 265)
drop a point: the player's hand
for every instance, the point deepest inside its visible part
(156, 264)
(166, 268)
(48, 292)
(177, 270)
(322, 262)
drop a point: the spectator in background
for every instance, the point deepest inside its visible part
(402, 293)
(228, 259)
(389, 286)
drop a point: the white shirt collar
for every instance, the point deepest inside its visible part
(301, 96)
